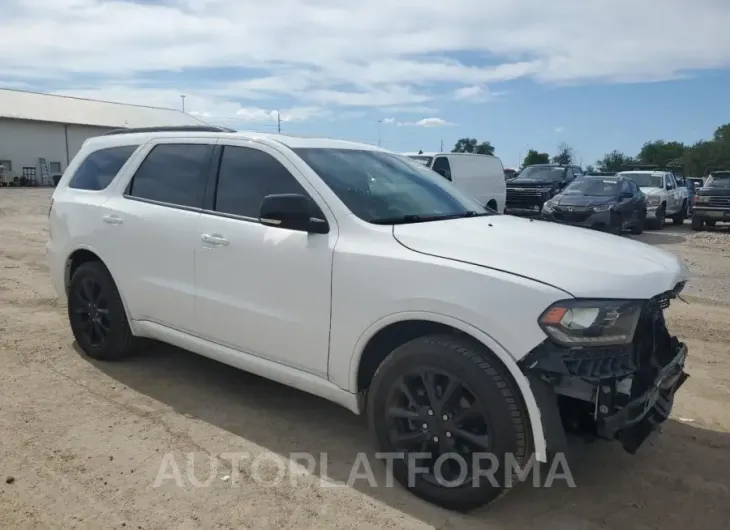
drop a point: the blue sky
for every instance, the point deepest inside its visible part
(519, 73)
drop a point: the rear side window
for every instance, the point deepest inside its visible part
(247, 176)
(173, 174)
(98, 170)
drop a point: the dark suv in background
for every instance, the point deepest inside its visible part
(712, 201)
(535, 184)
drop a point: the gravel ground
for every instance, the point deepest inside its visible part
(83, 442)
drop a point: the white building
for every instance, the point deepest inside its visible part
(42, 126)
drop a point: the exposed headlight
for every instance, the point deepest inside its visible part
(653, 200)
(548, 206)
(580, 322)
(602, 207)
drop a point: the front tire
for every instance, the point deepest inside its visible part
(660, 214)
(638, 228)
(96, 314)
(446, 395)
(697, 224)
(680, 216)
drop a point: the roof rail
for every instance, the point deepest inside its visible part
(174, 128)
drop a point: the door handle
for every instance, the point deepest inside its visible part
(214, 239)
(112, 220)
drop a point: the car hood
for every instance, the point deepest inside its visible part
(651, 191)
(583, 263)
(582, 200)
(530, 183)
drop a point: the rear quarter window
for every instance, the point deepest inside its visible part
(98, 169)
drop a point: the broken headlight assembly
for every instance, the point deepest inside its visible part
(585, 323)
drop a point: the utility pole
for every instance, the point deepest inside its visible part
(442, 147)
(278, 122)
(182, 98)
(379, 124)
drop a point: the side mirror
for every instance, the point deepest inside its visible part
(294, 212)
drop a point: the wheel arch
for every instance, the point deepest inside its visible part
(386, 334)
(83, 255)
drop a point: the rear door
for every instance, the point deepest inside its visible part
(152, 231)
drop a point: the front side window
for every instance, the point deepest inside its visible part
(384, 188)
(98, 170)
(173, 174)
(442, 167)
(248, 175)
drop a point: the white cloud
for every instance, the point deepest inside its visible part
(475, 93)
(424, 122)
(325, 53)
(559, 129)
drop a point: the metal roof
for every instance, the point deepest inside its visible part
(20, 105)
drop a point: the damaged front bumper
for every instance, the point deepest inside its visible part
(621, 393)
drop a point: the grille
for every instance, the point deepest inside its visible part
(719, 202)
(520, 197)
(571, 217)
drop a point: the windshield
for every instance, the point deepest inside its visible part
(592, 187)
(421, 159)
(550, 173)
(385, 188)
(718, 180)
(646, 180)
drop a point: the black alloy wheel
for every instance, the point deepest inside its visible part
(91, 309)
(96, 314)
(449, 411)
(436, 413)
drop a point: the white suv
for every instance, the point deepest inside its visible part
(355, 274)
(664, 197)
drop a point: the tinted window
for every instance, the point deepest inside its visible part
(247, 176)
(645, 180)
(386, 188)
(633, 187)
(173, 173)
(98, 170)
(442, 167)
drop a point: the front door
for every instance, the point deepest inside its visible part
(260, 289)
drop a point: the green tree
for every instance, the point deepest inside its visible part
(661, 153)
(534, 157)
(565, 155)
(590, 168)
(614, 161)
(471, 145)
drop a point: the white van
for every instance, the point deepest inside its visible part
(482, 176)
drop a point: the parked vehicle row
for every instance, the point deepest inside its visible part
(469, 339)
(536, 184)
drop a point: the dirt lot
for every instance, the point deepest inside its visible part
(82, 442)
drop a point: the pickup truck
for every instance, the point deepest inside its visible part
(712, 201)
(664, 197)
(535, 185)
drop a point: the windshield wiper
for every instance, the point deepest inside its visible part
(408, 219)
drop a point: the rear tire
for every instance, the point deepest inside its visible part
(697, 224)
(96, 314)
(486, 389)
